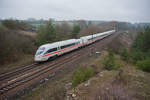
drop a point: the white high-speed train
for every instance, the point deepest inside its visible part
(50, 50)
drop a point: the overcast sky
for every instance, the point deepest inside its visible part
(120, 10)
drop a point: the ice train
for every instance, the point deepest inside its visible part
(50, 50)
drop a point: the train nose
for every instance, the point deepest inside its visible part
(37, 58)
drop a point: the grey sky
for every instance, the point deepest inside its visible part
(120, 10)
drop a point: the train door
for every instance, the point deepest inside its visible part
(59, 49)
(82, 42)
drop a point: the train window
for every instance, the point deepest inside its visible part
(62, 47)
(90, 38)
(77, 42)
(72, 44)
(42, 48)
(39, 52)
(51, 50)
(65, 46)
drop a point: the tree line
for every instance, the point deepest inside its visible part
(139, 54)
(50, 32)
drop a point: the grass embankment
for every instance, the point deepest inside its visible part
(128, 83)
(23, 61)
(124, 83)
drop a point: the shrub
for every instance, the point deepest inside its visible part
(136, 56)
(88, 73)
(13, 45)
(109, 61)
(142, 41)
(82, 75)
(144, 65)
(124, 54)
(140, 46)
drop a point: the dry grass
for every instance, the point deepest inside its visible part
(87, 92)
(23, 61)
(114, 92)
(130, 84)
(136, 80)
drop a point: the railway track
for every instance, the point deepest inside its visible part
(14, 83)
(15, 72)
(32, 75)
(21, 71)
(37, 70)
(24, 77)
(26, 71)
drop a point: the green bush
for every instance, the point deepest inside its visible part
(109, 61)
(142, 41)
(140, 47)
(82, 75)
(144, 65)
(88, 73)
(136, 56)
(124, 54)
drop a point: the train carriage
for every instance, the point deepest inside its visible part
(55, 49)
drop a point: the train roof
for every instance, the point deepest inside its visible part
(59, 43)
(98, 34)
(86, 37)
(65, 42)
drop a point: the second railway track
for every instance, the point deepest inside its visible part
(15, 72)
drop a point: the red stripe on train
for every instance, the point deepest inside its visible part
(59, 51)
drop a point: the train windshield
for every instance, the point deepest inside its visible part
(40, 50)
